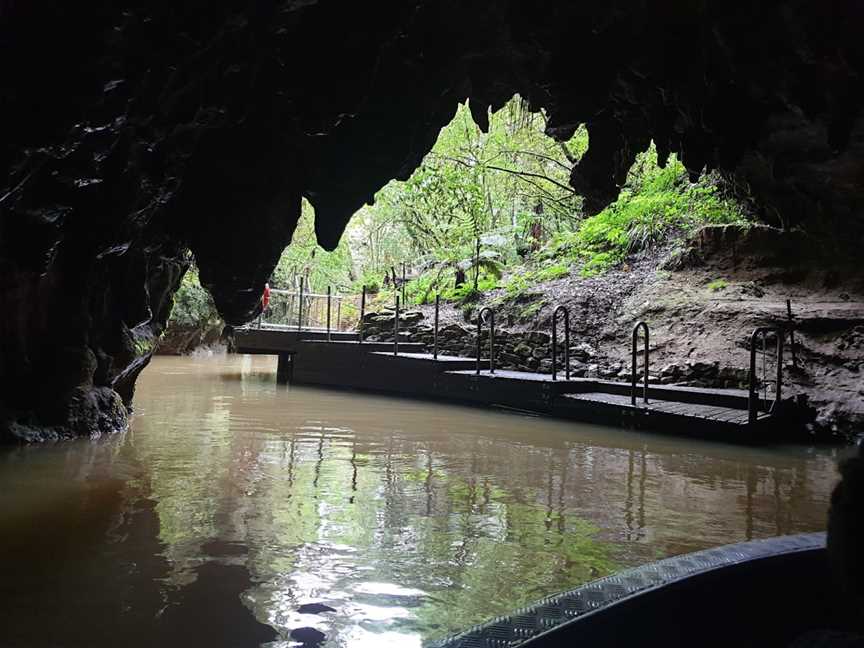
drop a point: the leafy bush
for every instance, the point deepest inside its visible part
(717, 285)
(516, 285)
(599, 263)
(655, 203)
(551, 272)
(532, 309)
(464, 293)
(193, 305)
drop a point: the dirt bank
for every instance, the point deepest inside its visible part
(702, 299)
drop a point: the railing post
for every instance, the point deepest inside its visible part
(396, 329)
(779, 387)
(329, 298)
(300, 305)
(644, 326)
(362, 316)
(435, 334)
(339, 313)
(791, 333)
(403, 283)
(753, 392)
(480, 317)
(561, 309)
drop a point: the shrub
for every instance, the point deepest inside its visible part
(516, 285)
(193, 305)
(655, 203)
(552, 272)
(717, 285)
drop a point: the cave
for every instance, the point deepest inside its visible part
(140, 138)
(136, 134)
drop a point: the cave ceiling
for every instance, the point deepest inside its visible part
(209, 120)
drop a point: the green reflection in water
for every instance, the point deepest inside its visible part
(418, 520)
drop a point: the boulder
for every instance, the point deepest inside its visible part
(539, 337)
(510, 359)
(583, 352)
(523, 350)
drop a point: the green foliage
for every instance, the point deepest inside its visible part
(305, 258)
(655, 204)
(718, 284)
(517, 284)
(548, 273)
(532, 309)
(423, 289)
(465, 293)
(522, 281)
(193, 305)
(490, 210)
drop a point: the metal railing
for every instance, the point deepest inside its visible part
(753, 399)
(362, 321)
(396, 329)
(480, 319)
(302, 310)
(642, 326)
(300, 305)
(561, 309)
(435, 332)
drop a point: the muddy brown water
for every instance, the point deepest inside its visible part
(232, 501)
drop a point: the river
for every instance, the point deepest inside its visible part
(232, 501)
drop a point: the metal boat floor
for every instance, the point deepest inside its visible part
(688, 410)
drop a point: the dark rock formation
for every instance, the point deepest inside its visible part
(135, 131)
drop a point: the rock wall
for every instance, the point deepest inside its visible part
(133, 132)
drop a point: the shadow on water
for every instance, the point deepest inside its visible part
(84, 567)
(209, 612)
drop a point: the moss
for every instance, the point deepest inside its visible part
(718, 284)
(552, 272)
(532, 309)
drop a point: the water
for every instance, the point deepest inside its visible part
(232, 501)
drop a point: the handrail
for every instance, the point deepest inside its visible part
(561, 309)
(753, 392)
(300, 306)
(302, 310)
(480, 316)
(396, 329)
(328, 313)
(435, 333)
(362, 316)
(282, 291)
(644, 326)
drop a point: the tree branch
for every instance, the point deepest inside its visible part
(523, 174)
(544, 157)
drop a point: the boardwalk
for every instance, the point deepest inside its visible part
(340, 360)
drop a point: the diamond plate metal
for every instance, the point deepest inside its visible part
(525, 623)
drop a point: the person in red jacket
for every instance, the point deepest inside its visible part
(265, 302)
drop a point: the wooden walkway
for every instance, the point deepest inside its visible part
(343, 362)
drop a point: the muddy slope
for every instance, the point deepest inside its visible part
(703, 298)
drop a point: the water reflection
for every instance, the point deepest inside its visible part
(234, 501)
